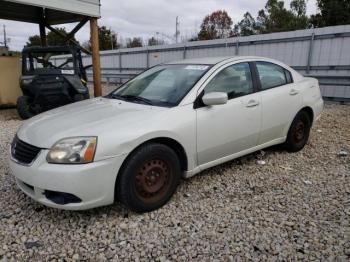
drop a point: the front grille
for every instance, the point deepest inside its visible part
(23, 152)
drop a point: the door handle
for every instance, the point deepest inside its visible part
(293, 92)
(252, 103)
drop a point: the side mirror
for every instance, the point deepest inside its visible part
(215, 98)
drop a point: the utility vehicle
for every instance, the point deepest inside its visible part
(51, 77)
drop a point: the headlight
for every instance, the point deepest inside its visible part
(26, 80)
(77, 150)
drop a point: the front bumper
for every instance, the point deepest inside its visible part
(318, 108)
(93, 184)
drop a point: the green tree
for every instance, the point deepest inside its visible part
(34, 40)
(53, 39)
(215, 26)
(331, 12)
(276, 18)
(108, 39)
(134, 42)
(247, 26)
(300, 20)
(155, 41)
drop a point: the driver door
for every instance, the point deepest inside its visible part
(225, 130)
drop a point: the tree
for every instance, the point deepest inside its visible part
(276, 18)
(332, 12)
(154, 41)
(34, 40)
(53, 39)
(301, 20)
(298, 7)
(247, 26)
(134, 42)
(108, 39)
(216, 26)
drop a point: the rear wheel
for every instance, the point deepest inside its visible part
(149, 178)
(24, 107)
(299, 132)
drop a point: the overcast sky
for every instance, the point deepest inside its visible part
(145, 18)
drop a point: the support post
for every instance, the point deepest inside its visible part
(237, 47)
(43, 35)
(120, 61)
(96, 63)
(42, 28)
(184, 54)
(147, 58)
(309, 58)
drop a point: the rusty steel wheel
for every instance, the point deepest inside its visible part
(148, 178)
(299, 132)
(152, 180)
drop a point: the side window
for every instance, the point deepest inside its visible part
(235, 80)
(288, 76)
(272, 75)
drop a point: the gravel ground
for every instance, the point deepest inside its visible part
(295, 207)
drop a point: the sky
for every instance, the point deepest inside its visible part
(144, 18)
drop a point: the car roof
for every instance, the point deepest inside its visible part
(213, 60)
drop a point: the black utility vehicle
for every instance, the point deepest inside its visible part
(49, 81)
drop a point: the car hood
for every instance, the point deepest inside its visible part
(92, 117)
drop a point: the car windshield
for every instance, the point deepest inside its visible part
(163, 85)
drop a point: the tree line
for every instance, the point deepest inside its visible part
(274, 17)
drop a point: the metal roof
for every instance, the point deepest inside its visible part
(56, 11)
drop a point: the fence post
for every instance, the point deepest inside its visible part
(237, 47)
(184, 52)
(309, 58)
(120, 61)
(147, 57)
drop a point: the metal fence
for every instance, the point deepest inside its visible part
(323, 53)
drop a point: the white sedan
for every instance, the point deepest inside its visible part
(174, 120)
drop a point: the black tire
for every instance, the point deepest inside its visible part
(299, 132)
(23, 107)
(149, 178)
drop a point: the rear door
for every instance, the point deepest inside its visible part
(280, 98)
(224, 130)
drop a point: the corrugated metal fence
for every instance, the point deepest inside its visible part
(323, 53)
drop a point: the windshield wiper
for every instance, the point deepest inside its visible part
(137, 98)
(114, 96)
(132, 98)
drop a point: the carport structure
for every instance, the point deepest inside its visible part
(47, 13)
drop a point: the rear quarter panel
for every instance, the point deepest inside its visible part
(311, 95)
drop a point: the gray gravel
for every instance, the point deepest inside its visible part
(283, 207)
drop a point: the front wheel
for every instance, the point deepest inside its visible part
(24, 107)
(299, 132)
(149, 178)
